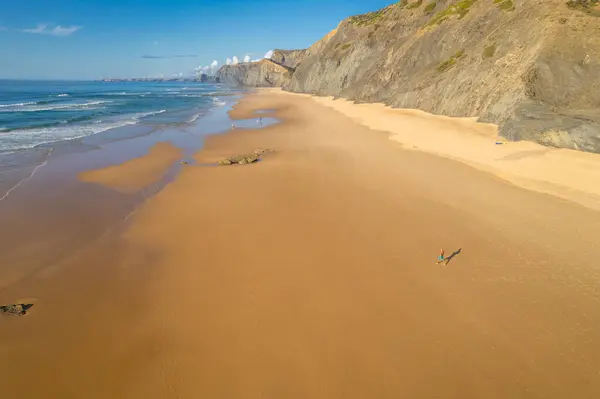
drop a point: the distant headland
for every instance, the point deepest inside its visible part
(198, 79)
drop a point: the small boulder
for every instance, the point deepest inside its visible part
(19, 309)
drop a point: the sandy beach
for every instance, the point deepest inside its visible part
(137, 173)
(312, 273)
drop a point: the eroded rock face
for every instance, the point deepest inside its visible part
(264, 73)
(533, 67)
(530, 66)
(289, 58)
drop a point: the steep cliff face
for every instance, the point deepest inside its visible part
(264, 73)
(531, 66)
(289, 58)
(204, 78)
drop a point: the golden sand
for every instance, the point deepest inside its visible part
(312, 274)
(136, 173)
(568, 174)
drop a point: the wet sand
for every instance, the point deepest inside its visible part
(137, 173)
(312, 274)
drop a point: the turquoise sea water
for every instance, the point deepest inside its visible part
(37, 114)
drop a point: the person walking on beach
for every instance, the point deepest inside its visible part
(441, 257)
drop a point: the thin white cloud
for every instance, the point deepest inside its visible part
(66, 31)
(43, 29)
(269, 54)
(247, 58)
(235, 60)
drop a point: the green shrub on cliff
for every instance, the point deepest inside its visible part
(342, 47)
(587, 6)
(430, 7)
(461, 9)
(506, 5)
(489, 51)
(369, 18)
(416, 4)
(450, 62)
(582, 3)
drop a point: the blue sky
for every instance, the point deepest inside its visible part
(90, 39)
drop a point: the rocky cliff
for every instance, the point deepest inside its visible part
(531, 66)
(204, 78)
(288, 58)
(264, 73)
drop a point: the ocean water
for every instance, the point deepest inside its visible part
(35, 114)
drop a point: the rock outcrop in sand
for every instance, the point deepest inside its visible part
(530, 66)
(19, 309)
(254, 156)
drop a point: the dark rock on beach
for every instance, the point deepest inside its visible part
(15, 309)
(245, 159)
(239, 159)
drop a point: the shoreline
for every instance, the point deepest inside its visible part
(38, 204)
(312, 274)
(15, 163)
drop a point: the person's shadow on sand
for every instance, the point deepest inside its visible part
(449, 258)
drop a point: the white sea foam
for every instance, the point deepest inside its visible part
(193, 88)
(63, 95)
(10, 190)
(29, 138)
(194, 118)
(145, 114)
(17, 105)
(123, 93)
(218, 102)
(33, 107)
